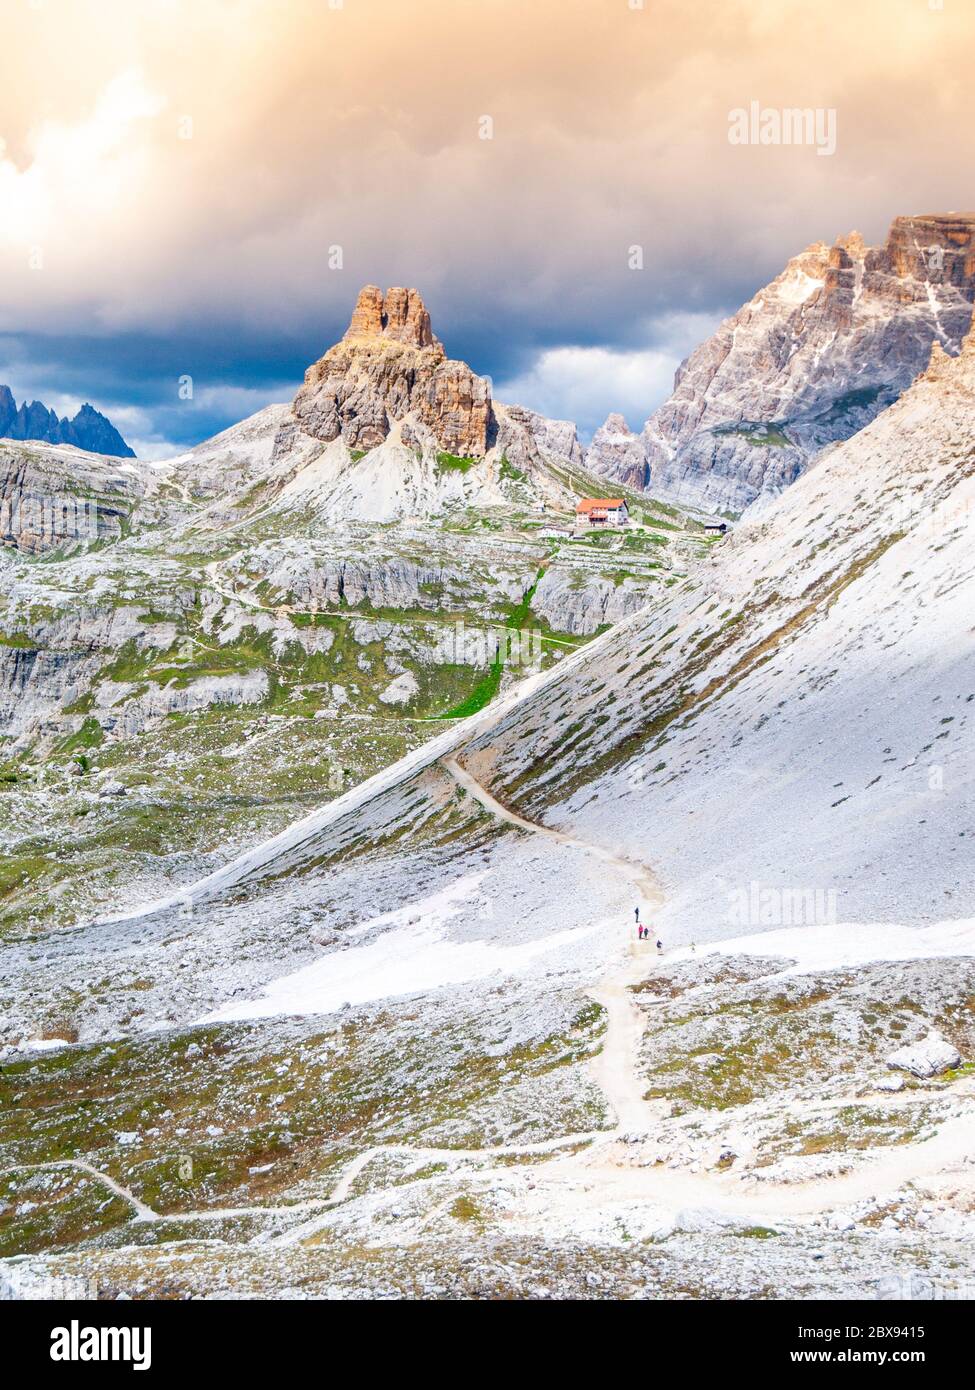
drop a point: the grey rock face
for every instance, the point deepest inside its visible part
(810, 360)
(382, 582)
(523, 436)
(49, 498)
(581, 605)
(36, 684)
(617, 453)
(158, 701)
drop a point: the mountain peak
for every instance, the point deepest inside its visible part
(616, 424)
(809, 361)
(89, 430)
(363, 385)
(399, 315)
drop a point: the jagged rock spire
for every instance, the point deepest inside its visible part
(400, 315)
(389, 368)
(809, 361)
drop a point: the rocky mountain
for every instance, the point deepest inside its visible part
(88, 430)
(389, 382)
(272, 613)
(417, 1020)
(389, 368)
(617, 453)
(867, 561)
(812, 358)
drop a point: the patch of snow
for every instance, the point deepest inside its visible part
(411, 957)
(812, 949)
(936, 311)
(799, 287)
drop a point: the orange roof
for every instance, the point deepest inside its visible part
(589, 504)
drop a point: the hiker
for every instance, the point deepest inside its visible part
(660, 947)
(640, 931)
(636, 914)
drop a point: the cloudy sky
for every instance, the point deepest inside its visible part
(176, 175)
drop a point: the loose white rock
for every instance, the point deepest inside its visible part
(929, 1057)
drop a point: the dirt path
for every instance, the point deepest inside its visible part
(615, 1068)
(641, 878)
(617, 1072)
(143, 1212)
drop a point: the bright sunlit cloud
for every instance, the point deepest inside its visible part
(90, 167)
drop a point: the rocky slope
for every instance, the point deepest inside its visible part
(52, 496)
(811, 359)
(416, 1020)
(89, 429)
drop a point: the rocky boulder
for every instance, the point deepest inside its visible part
(929, 1057)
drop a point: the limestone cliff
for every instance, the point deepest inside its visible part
(387, 368)
(810, 360)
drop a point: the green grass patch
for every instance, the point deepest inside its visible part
(466, 1209)
(453, 463)
(482, 694)
(90, 735)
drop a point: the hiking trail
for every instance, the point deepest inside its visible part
(597, 1172)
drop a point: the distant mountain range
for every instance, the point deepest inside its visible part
(88, 430)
